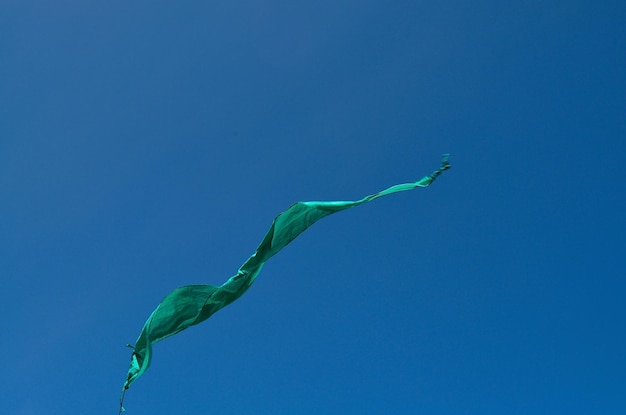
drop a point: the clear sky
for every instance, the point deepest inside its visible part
(146, 145)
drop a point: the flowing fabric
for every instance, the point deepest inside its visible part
(189, 305)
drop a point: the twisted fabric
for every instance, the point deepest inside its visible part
(192, 304)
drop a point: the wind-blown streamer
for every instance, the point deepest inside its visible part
(189, 305)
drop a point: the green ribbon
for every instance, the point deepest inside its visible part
(192, 304)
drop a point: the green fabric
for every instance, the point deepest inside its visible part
(192, 304)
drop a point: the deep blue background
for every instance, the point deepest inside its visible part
(146, 145)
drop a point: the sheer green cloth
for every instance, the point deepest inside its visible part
(192, 304)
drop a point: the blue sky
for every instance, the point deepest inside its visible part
(148, 145)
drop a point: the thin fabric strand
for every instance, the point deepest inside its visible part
(192, 304)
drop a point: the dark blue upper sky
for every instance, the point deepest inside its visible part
(146, 145)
